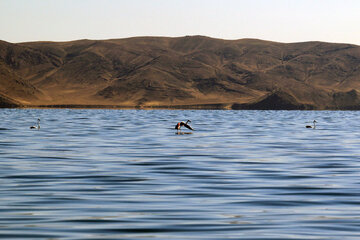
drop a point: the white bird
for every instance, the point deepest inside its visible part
(308, 126)
(38, 125)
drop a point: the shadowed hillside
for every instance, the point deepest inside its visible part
(193, 71)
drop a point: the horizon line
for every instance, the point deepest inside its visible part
(163, 36)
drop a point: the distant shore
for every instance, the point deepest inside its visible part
(172, 107)
(86, 106)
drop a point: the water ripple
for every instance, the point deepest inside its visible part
(115, 174)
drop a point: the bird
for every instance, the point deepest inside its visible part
(38, 125)
(308, 126)
(180, 124)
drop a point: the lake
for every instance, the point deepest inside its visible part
(126, 174)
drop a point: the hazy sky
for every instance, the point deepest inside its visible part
(276, 20)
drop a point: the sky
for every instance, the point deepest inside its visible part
(274, 20)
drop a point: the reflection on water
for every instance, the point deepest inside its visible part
(182, 133)
(124, 174)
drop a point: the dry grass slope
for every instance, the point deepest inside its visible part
(191, 71)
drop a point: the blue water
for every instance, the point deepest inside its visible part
(126, 174)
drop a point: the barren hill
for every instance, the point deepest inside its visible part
(192, 71)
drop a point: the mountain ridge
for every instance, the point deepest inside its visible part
(190, 71)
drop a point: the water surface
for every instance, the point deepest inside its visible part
(126, 174)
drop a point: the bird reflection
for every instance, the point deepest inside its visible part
(182, 133)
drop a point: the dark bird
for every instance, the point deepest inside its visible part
(308, 126)
(38, 125)
(180, 124)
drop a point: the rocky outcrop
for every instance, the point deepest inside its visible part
(274, 101)
(6, 102)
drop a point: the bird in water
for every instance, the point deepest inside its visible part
(180, 124)
(38, 125)
(308, 126)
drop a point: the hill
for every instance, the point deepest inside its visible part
(184, 72)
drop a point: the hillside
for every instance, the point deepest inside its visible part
(184, 72)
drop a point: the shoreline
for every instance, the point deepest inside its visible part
(219, 106)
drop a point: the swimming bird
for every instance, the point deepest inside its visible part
(308, 126)
(180, 124)
(38, 125)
